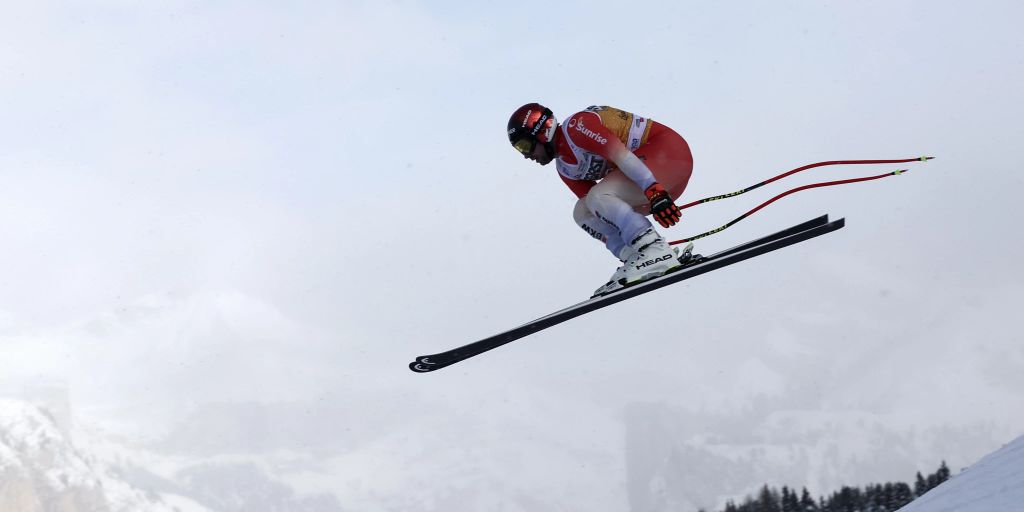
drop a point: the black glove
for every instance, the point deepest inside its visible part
(662, 206)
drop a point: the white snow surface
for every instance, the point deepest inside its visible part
(995, 483)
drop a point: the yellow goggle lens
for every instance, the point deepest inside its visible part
(524, 146)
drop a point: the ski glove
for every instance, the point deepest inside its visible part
(662, 206)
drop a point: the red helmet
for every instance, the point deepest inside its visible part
(530, 124)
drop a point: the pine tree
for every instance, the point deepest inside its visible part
(750, 505)
(901, 495)
(920, 486)
(887, 497)
(848, 499)
(807, 503)
(790, 503)
(942, 474)
(870, 498)
(768, 500)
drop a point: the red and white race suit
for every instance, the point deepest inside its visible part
(608, 157)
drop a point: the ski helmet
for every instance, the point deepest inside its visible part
(530, 124)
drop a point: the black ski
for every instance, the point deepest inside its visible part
(695, 267)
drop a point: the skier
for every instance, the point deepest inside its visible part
(622, 167)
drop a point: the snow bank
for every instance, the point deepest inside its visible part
(995, 483)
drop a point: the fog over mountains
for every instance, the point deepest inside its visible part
(228, 227)
(268, 457)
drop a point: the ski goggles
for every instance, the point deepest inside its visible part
(525, 145)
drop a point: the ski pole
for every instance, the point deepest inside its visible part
(780, 196)
(804, 168)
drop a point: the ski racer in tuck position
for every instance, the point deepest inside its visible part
(622, 167)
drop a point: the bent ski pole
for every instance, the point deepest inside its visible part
(804, 168)
(780, 196)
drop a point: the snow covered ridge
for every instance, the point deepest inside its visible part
(41, 471)
(993, 484)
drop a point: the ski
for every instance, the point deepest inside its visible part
(696, 266)
(803, 226)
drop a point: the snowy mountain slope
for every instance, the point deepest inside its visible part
(41, 471)
(995, 483)
(496, 460)
(233, 482)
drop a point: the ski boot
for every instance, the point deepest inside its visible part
(649, 256)
(615, 282)
(654, 257)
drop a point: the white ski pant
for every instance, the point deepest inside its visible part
(613, 211)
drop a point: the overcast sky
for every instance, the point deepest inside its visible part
(253, 200)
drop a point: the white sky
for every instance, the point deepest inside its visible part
(254, 200)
